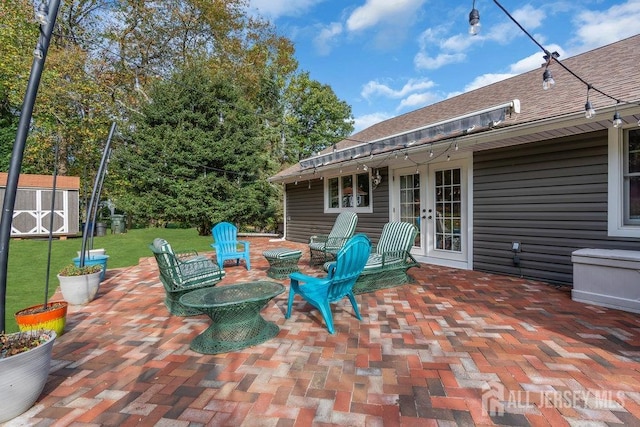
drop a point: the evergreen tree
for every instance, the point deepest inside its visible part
(194, 156)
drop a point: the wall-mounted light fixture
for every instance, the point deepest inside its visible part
(516, 248)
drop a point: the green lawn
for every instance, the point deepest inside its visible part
(26, 277)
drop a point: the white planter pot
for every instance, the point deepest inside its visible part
(23, 378)
(79, 290)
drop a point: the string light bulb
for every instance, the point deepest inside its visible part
(474, 20)
(617, 120)
(547, 79)
(431, 153)
(589, 111)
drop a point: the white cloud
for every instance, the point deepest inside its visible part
(458, 43)
(598, 28)
(418, 100)
(529, 17)
(374, 88)
(368, 120)
(423, 61)
(276, 8)
(374, 12)
(326, 39)
(535, 60)
(504, 32)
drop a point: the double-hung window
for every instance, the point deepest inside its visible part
(624, 183)
(348, 192)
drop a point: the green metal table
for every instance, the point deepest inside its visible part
(235, 315)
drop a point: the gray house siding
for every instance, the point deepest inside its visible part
(306, 217)
(551, 197)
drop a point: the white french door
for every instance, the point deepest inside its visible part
(434, 198)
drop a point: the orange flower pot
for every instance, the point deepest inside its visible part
(34, 317)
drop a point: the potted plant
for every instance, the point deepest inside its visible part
(25, 359)
(79, 284)
(50, 315)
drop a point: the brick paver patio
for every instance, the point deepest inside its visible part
(455, 348)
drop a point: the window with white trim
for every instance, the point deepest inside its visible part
(624, 183)
(631, 177)
(348, 192)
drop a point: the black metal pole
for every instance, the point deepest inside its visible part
(18, 149)
(99, 191)
(51, 213)
(96, 185)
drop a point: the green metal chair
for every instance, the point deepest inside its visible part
(182, 272)
(390, 259)
(227, 245)
(338, 283)
(324, 248)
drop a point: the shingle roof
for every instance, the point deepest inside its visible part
(613, 69)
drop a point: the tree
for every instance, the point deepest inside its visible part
(18, 33)
(315, 117)
(194, 156)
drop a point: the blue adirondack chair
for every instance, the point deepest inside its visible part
(338, 283)
(227, 245)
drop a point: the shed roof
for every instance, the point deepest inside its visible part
(544, 114)
(43, 181)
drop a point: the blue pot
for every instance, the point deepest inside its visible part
(93, 260)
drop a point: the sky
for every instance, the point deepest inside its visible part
(388, 57)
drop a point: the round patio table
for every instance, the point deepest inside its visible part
(235, 315)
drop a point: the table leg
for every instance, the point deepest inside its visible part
(234, 328)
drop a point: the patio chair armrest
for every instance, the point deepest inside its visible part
(245, 244)
(303, 284)
(399, 257)
(199, 268)
(185, 254)
(319, 238)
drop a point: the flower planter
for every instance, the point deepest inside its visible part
(79, 290)
(93, 260)
(23, 378)
(35, 318)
